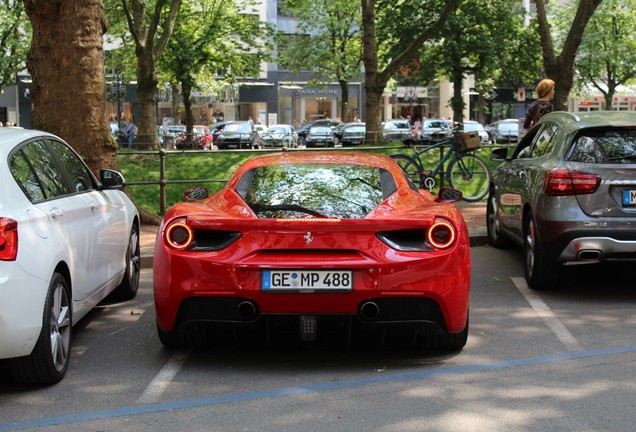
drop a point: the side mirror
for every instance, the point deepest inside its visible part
(111, 179)
(499, 154)
(449, 195)
(196, 193)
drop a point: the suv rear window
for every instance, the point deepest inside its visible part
(605, 146)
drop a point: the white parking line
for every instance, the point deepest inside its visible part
(547, 315)
(160, 382)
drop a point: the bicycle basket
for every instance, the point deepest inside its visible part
(467, 141)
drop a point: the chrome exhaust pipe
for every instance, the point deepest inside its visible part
(246, 310)
(589, 255)
(369, 311)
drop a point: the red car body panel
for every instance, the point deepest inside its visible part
(379, 271)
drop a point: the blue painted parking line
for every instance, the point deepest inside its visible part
(320, 387)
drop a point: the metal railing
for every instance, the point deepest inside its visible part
(162, 154)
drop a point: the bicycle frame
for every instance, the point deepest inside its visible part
(439, 168)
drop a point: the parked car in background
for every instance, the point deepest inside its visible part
(353, 134)
(567, 193)
(201, 139)
(280, 135)
(238, 134)
(337, 131)
(260, 128)
(504, 131)
(67, 240)
(304, 129)
(320, 136)
(397, 130)
(473, 126)
(170, 133)
(314, 246)
(433, 130)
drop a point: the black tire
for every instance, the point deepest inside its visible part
(541, 273)
(169, 340)
(49, 360)
(495, 237)
(445, 341)
(471, 176)
(128, 287)
(411, 168)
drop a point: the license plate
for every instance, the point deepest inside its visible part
(307, 281)
(629, 197)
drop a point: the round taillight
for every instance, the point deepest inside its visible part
(441, 235)
(179, 236)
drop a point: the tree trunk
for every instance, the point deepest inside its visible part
(344, 100)
(370, 59)
(147, 138)
(66, 63)
(560, 68)
(375, 80)
(186, 94)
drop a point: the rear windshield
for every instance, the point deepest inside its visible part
(604, 146)
(238, 127)
(316, 190)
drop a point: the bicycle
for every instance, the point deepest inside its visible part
(465, 171)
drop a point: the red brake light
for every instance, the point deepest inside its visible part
(561, 181)
(178, 236)
(8, 239)
(441, 235)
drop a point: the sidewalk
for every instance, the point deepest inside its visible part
(474, 215)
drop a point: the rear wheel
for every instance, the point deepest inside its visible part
(470, 175)
(541, 273)
(48, 362)
(129, 285)
(446, 341)
(411, 168)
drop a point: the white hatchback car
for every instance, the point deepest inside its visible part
(67, 240)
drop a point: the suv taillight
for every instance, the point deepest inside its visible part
(8, 239)
(560, 181)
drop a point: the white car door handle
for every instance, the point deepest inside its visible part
(56, 212)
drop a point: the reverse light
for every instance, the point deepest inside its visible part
(560, 182)
(178, 236)
(441, 235)
(8, 239)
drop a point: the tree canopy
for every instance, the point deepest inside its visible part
(607, 56)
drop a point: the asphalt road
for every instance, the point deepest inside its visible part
(556, 361)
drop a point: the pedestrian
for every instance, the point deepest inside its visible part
(130, 132)
(541, 106)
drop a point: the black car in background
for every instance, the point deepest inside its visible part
(238, 134)
(320, 136)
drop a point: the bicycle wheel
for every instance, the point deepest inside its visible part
(411, 168)
(470, 175)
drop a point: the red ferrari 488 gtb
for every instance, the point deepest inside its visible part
(314, 245)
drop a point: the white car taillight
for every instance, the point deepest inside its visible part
(8, 239)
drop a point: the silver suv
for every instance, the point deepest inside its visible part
(567, 194)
